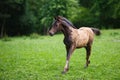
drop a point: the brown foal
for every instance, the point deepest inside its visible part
(74, 38)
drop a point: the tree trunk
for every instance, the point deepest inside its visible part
(2, 29)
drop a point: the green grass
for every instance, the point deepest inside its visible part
(43, 58)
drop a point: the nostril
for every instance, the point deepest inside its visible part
(51, 34)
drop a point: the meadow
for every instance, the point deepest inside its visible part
(43, 58)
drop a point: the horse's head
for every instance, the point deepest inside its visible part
(60, 23)
(56, 26)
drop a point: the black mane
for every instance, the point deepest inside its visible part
(67, 21)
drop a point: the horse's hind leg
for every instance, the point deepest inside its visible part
(88, 52)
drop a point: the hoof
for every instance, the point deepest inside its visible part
(86, 65)
(88, 62)
(66, 70)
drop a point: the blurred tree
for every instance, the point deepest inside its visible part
(44, 12)
(54, 8)
(102, 13)
(109, 13)
(10, 11)
(19, 17)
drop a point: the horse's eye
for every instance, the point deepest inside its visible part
(56, 25)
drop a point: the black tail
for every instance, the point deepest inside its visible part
(96, 31)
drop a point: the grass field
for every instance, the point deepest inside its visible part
(43, 58)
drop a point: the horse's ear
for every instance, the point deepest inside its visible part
(55, 18)
(58, 18)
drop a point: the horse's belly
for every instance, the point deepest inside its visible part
(81, 43)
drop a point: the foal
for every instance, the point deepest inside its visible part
(74, 38)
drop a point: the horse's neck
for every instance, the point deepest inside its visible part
(67, 30)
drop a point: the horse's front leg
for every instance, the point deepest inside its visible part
(69, 53)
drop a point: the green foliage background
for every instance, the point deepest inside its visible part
(20, 17)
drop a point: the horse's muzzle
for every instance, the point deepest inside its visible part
(51, 33)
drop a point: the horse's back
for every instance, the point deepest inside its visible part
(86, 36)
(89, 32)
(86, 30)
